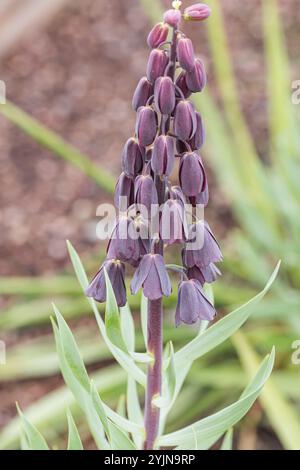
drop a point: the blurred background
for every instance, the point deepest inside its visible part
(71, 67)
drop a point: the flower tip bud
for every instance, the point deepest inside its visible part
(172, 17)
(197, 12)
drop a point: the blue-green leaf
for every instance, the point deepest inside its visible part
(74, 441)
(31, 435)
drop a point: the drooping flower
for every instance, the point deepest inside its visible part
(192, 304)
(153, 277)
(182, 85)
(124, 244)
(186, 55)
(146, 125)
(185, 121)
(124, 192)
(202, 248)
(192, 174)
(164, 95)
(157, 64)
(143, 92)
(132, 158)
(116, 272)
(173, 224)
(208, 275)
(158, 35)
(163, 155)
(196, 78)
(145, 193)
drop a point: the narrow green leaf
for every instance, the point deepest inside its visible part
(127, 328)
(228, 440)
(118, 439)
(134, 410)
(33, 437)
(221, 330)
(208, 430)
(74, 441)
(285, 421)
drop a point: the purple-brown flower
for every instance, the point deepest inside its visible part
(185, 53)
(197, 12)
(153, 277)
(192, 304)
(158, 35)
(173, 224)
(208, 275)
(164, 95)
(185, 120)
(163, 155)
(146, 125)
(192, 174)
(182, 85)
(97, 288)
(124, 244)
(124, 192)
(143, 92)
(132, 158)
(196, 78)
(157, 64)
(202, 248)
(145, 193)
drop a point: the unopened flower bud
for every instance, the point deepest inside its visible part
(124, 192)
(182, 85)
(157, 64)
(132, 158)
(145, 193)
(172, 17)
(197, 12)
(163, 156)
(143, 92)
(185, 52)
(192, 174)
(164, 95)
(158, 35)
(185, 121)
(196, 78)
(146, 125)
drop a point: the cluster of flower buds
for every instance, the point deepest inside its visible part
(167, 127)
